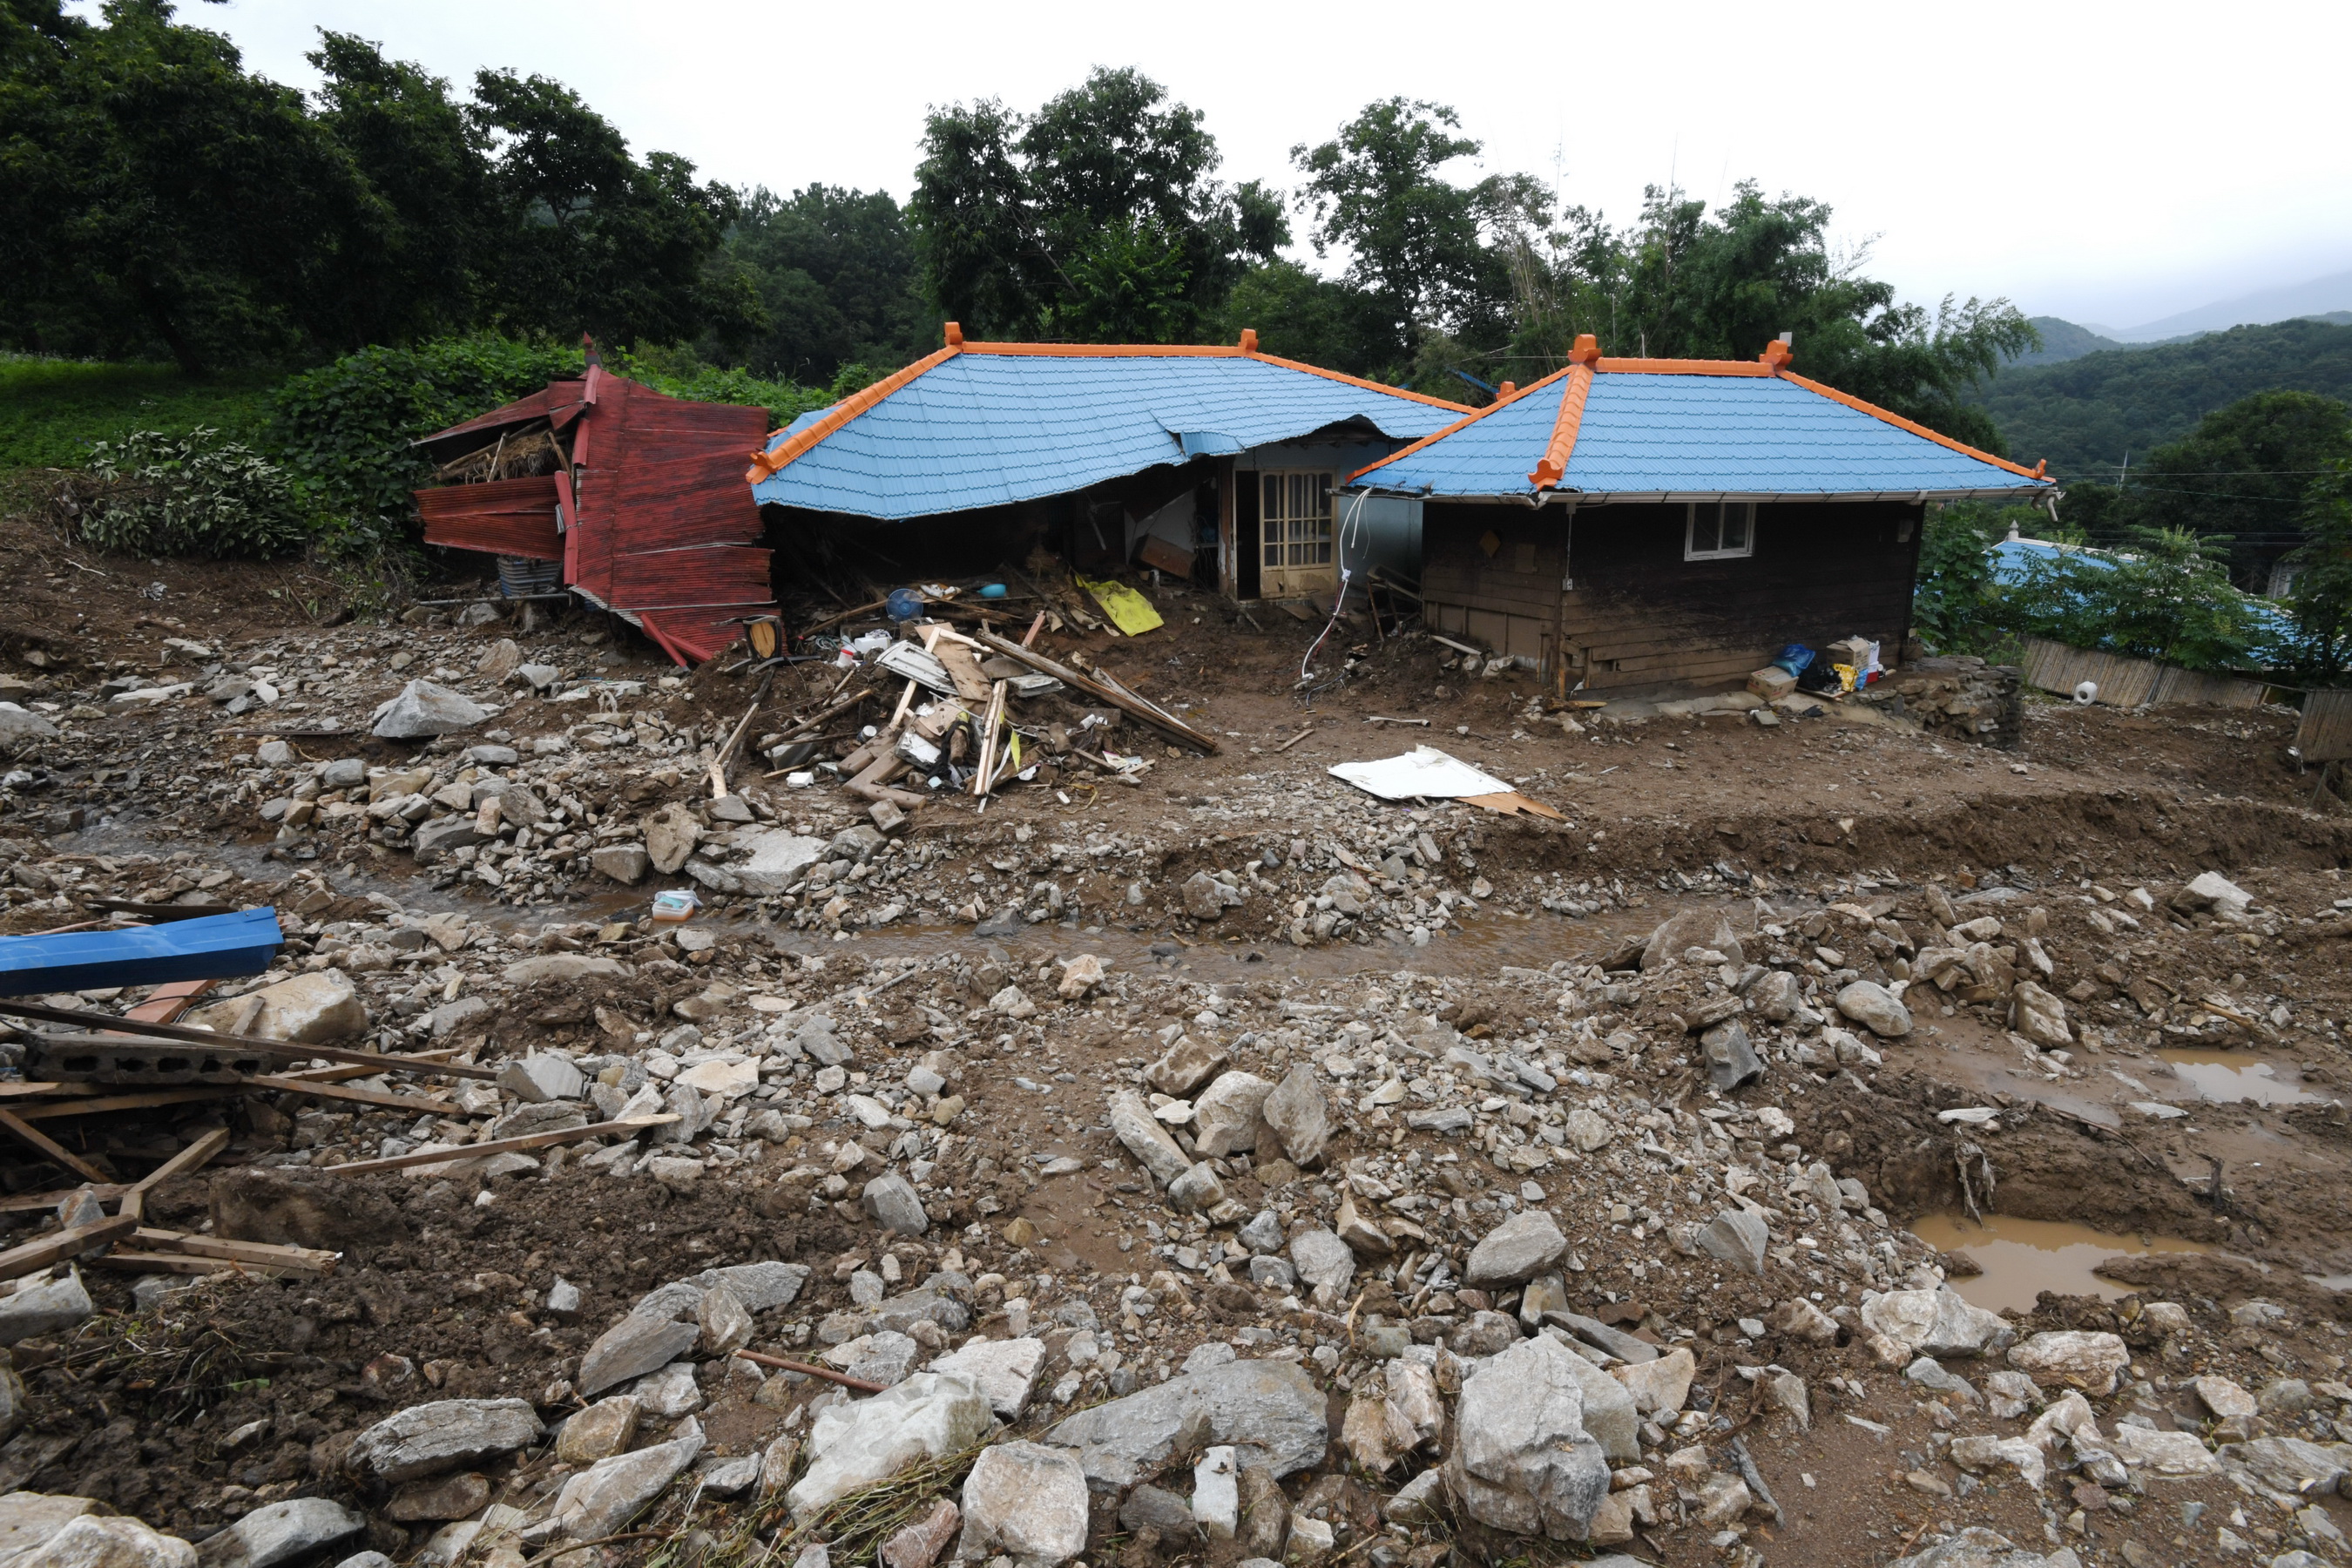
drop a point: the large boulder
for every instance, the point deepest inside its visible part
(1006, 1370)
(1875, 1008)
(426, 1439)
(1936, 1324)
(931, 1415)
(641, 1342)
(424, 709)
(1025, 1501)
(601, 1499)
(1271, 1407)
(2084, 1358)
(778, 860)
(1517, 1250)
(21, 727)
(89, 1541)
(1229, 1118)
(291, 1207)
(43, 1309)
(280, 1532)
(1298, 1116)
(1704, 928)
(1522, 1461)
(309, 1010)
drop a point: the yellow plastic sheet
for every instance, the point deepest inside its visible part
(1129, 611)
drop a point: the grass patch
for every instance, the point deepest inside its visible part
(52, 409)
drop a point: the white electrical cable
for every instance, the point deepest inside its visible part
(1354, 522)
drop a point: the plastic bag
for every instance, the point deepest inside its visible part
(1794, 658)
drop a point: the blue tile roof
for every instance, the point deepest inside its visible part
(1646, 432)
(984, 429)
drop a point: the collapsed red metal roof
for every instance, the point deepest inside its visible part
(649, 516)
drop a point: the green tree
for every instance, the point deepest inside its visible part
(2322, 595)
(589, 239)
(1689, 283)
(1431, 256)
(151, 189)
(2243, 475)
(1097, 217)
(2166, 596)
(836, 272)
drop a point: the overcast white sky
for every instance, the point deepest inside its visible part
(2103, 162)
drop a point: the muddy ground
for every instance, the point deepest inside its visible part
(2083, 839)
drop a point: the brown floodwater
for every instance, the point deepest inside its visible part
(2234, 1076)
(2022, 1257)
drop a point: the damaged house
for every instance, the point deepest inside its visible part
(1220, 465)
(1636, 522)
(630, 499)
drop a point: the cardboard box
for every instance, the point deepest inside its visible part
(1772, 681)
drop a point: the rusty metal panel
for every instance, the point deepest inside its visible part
(505, 517)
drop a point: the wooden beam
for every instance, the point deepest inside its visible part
(1118, 696)
(46, 1251)
(25, 1203)
(135, 1201)
(464, 1152)
(316, 1090)
(268, 1254)
(144, 1100)
(110, 1023)
(49, 1146)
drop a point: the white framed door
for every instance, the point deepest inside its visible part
(1297, 548)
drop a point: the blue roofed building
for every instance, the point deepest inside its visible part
(1638, 522)
(1218, 463)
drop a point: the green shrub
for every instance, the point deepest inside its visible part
(345, 429)
(193, 494)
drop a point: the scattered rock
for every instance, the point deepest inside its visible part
(1025, 1501)
(1875, 1008)
(2079, 1358)
(1270, 1406)
(852, 1446)
(281, 1531)
(601, 1499)
(1515, 1251)
(43, 1309)
(427, 1439)
(1299, 1116)
(1522, 1461)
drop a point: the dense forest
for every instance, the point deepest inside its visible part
(163, 201)
(2087, 414)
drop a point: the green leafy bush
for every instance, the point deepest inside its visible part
(191, 494)
(2165, 595)
(1953, 605)
(345, 429)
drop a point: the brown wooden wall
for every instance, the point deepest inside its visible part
(1640, 615)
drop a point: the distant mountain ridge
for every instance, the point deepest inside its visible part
(2329, 296)
(2083, 413)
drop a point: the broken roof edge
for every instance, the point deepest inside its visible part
(793, 443)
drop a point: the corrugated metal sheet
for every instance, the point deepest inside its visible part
(506, 517)
(664, 529)
(986, 430)
(2132, 682)
(2326, 733)
(1672, 433)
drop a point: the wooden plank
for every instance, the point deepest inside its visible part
(962, 669)
(49, 1146)
(309, 1260)
(314, 1089)
(1121, 698)
(135, 1201)
(108, 1022)
(145, 1100)
(171, 1263)
(26, 1202)
(46, 1251)
(497, 1146)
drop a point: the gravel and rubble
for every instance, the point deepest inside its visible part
(1463, 1185)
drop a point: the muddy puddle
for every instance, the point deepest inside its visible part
(2235, 1076)
(2022, 1257)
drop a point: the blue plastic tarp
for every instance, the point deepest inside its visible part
(214, 947)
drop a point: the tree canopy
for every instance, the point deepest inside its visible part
(155, 195)
(1097, 219)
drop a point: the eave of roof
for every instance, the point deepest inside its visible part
(1576, 383)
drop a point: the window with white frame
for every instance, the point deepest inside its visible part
(1294, 519)
(1719, 530)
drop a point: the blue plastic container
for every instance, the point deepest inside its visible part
(904, 604)
(993, 591)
